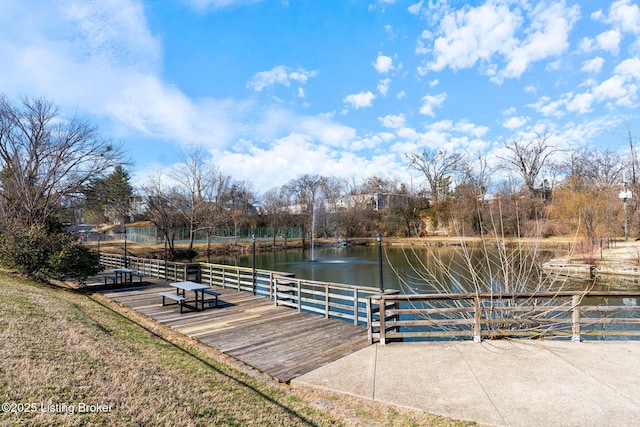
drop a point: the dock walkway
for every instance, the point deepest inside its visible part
(276, 340)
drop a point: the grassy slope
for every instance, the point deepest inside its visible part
(59, 347)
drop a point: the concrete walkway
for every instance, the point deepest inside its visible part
(502, 383)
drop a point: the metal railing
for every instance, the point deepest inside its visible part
(571, 315)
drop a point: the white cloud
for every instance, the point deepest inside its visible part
(472, 129)
(546, 107)
(593, 65)
(383, 64)
(609, 41)
(383, 86)
(360, 100)
(429, 102)
(623, 86)
(203, 5)
(547, 36)
(620, 89)
(489, 32)
(391, 33)
(371, 141)
(110, 43)
(473, 34)
(280, 75)
(393, 121)
(586, 45)
(415, 8)
(581, 103)
(324, 130)
(623, 15)
(515, 122)
(612, 88)
(629, 69)
(296, 154)
(277, 121)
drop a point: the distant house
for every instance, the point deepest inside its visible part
(374, 201)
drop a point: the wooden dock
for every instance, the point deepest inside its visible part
(276, 340)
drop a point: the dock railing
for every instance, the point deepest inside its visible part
(331, 300)
(394, 316)
(160, 269)
(571, 315)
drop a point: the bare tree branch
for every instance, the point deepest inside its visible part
(45, 159)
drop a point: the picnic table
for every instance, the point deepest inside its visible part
(198, 289)
(124, 275)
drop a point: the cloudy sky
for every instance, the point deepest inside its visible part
(274, 89)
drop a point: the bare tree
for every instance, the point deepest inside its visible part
(438, 167)
(45, 159)
(606, 169)
(241, 204)
(529, 158)
(277, 205)
(306, 190)
(215, 211)
(195, 177)
(633, 157)
(160, 200)
(576, 169)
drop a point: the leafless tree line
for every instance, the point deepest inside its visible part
(47, 163)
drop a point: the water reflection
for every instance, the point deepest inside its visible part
(422, 269)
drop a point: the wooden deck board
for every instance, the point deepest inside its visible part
(277, 340)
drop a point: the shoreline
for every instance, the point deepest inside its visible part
(617, 258)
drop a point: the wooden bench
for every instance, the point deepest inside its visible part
(114, 279)
(179, 299)
(206, 302)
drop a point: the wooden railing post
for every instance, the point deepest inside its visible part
(369, 308)
(271, 284)
(477, 319)
(326, 302)
(355, 307)
(575, 318)
(383, 338)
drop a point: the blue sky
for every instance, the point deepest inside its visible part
(276, 89)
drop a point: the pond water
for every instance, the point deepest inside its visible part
(417, 269)
(437, 270)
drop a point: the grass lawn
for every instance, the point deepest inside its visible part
(70, 360)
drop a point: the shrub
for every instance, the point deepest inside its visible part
(43, 255)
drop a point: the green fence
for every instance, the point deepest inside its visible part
(151, 235)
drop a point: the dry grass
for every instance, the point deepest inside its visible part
(60, 349)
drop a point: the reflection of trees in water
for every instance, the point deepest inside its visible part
(494, 273)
